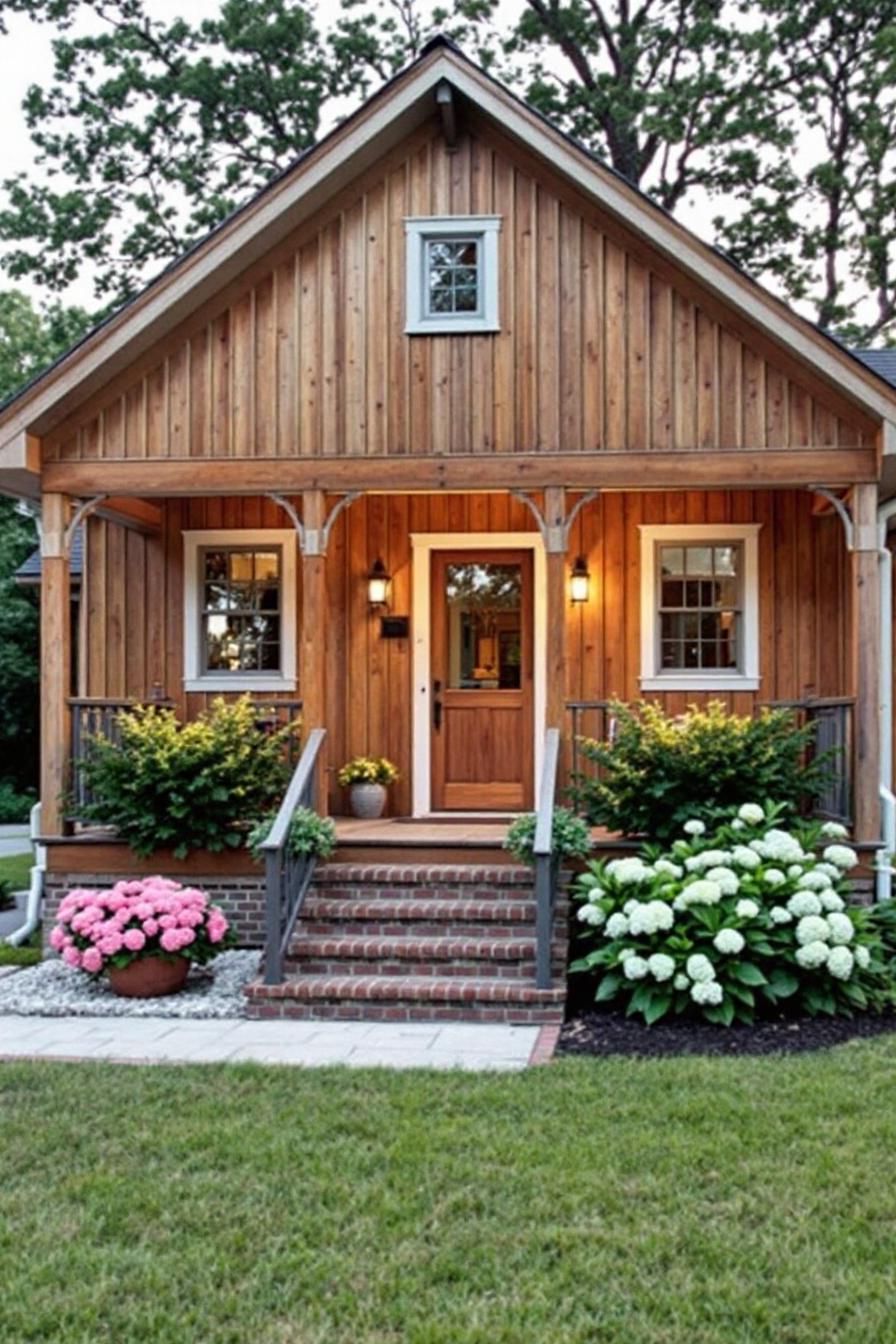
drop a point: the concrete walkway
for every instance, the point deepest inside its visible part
(148, 1040)
(14, 840)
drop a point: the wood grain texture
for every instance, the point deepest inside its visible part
(602, 345)
(55, 644)
(805, 599)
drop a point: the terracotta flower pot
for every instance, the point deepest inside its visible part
(149, 977)
(367, 800)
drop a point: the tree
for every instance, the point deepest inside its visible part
(29, 340)
(775, 116)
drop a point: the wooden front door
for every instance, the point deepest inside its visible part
(482, 749)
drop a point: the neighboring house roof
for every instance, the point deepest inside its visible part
(883, 362)
(29, 571)
(404, 103)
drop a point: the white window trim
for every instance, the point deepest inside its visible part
(194, 678)
(418, 230)
(745, 679)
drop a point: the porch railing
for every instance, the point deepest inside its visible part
(95, 717)
(590, 719)
(545, 860)
(832, 718)
(288, 876)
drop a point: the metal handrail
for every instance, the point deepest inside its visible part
(545, 860)
(288, 876)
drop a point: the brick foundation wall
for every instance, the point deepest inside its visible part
(240, 897)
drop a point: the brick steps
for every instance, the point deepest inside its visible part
(345, 954)
(417, 941)
(407, 998)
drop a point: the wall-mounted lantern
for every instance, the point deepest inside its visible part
(378, 581)
(579, 581)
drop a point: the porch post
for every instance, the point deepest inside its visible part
(55, 662)
(555, 546)
(865, 650)
(313, 657)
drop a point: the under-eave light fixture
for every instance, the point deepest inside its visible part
(579, 581)
(378, 581)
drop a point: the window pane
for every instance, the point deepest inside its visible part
(672, 559)
(465, 300)
(484, 626)
(725, 559)
(241, 566)
(699, 560)
(241, 614)
(698, 614)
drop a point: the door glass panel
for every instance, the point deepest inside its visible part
(484, 637)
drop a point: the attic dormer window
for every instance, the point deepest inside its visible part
(452, 274)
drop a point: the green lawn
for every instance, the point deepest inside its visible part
(621, 1202)
(16, 868)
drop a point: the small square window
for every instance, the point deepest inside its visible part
(452, 274)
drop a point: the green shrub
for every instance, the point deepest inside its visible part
(14, 806)
(571, 838)
(308, 834)
(185, 786)
(660, 770)
(730, 923)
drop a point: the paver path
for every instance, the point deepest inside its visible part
(402, 1045)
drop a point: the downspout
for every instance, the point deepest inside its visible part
(883, 883)
(36, 888)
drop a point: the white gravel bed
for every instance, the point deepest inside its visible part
(53, 989)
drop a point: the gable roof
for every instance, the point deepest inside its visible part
(883, 362)
(401, 105)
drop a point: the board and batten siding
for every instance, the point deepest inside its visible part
(133, 588)
(603, 346)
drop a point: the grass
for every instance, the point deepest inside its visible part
(591, 1202)
(16, 869)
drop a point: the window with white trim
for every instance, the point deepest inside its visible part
(239, 610)
(699, 607)
(452, 274)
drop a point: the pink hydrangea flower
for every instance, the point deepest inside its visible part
(110, 944)
(57, 938)
(134, 939)
(92, 960)
(150, 927)
(71, 956)
(170, 940)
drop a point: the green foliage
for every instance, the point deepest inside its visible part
(6, 894)
(780, 113)
(571, 838)
(367, 770)
(14, 806)
(661, 769)
(308, 833)
(731, 924)
(185, 786)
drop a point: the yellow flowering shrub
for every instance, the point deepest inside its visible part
(661, 769)
(183, 786)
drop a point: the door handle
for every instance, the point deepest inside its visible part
(436, 705)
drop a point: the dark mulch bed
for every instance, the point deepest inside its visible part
(610, 1033)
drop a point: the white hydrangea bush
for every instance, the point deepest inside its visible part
(733, 921)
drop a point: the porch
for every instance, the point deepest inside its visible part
(366, 672)
(480, 703)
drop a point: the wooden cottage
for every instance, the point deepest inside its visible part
(581, 455)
